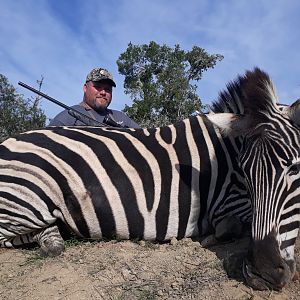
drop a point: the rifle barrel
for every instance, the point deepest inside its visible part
(44, 95)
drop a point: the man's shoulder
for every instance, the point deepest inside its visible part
(66, 112)
(64, 118)
(78, 107)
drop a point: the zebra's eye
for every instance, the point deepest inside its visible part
(294, 169)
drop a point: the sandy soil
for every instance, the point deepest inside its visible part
(131, 270)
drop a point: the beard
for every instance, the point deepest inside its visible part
(100, 104)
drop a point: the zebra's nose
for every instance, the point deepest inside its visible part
(283, 275)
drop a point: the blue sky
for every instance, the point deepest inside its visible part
(64, 40)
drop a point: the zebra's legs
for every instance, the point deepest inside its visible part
(226, 230)
(229, 228)
(50, 241)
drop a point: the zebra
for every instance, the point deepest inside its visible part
(182, 180)
(270, 160)
(154, 184)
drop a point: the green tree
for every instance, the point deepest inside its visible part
(161, 81)
(16, 113)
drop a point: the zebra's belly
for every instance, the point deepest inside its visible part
(96, 218)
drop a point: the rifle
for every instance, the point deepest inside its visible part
(108, 121)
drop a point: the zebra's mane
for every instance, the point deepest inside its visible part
(253, 91)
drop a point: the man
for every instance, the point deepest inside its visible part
(97, 96)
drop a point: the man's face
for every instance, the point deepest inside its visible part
(97, 94)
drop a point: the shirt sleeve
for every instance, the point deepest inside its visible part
(124, 119)
(132, 124)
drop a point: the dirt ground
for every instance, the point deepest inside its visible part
(131, 270)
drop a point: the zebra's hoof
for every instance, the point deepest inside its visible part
(51, 249)
(209, 241)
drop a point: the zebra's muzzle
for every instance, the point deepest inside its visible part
(264, 281)
(261, 275)
(264, 267)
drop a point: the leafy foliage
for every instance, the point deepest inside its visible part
(16, 113)
(158, 79)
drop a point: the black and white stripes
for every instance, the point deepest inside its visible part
(270, 160)
(152, 183)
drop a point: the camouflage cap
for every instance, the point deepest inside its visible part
(99, 74)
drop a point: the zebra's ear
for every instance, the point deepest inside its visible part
(293, 112)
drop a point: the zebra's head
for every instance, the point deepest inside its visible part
(270, 160)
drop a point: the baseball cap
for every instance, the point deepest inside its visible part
(98, 74)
